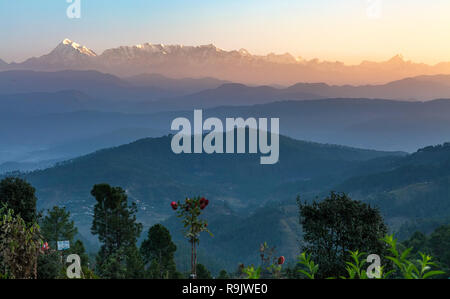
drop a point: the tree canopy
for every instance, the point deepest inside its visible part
(337, 225)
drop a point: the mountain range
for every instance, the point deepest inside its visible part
(251, 203)
(237, 185)
(74, 118)
(44, 127)
(236, 65)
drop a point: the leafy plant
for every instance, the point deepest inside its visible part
(310, 268)
(355, 269)
(20, 245)
(252, 272)
(421, 269)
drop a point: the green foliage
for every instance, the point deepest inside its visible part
(57, 226)
(111, 265)
(337, 225)
(252, 272)
(19, 196)
(115, 224)
(309, 267)
(419, 269)
(270, 268)
(223, 275)
(49, 265)
(202, 272)
(134, 264)
(78, 248)
(189, 212)
(158, 250)
(122, 263)
(356, 267)
(20, 244)
(436, 244)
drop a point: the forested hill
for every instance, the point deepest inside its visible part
(153, 175)
(413, 187)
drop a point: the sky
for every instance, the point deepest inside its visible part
(347, 30)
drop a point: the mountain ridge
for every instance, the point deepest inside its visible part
(235, 65)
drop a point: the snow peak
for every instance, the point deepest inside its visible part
(193, 289)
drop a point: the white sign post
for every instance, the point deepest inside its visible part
(63, 245)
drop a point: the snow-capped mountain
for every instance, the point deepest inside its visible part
(67, 54)
(67, 46)
(180, 61)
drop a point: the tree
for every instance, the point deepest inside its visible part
(437, 244)
(20, 245)
(189, 212)
(135, 268)
(336, 226)
(202, 272)
(49, 265)
(57, 226)
(116, 226)
(79, 249)
(19, 196)
(158, 251)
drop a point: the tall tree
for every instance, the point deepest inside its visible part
(117, 228)
(57, 226)
(336, 225)
(19, 196)
(158, 251)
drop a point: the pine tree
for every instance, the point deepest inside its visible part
(158, 251)
(117, 228)
(57, 226)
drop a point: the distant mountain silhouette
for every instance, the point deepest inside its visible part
(416, 88)
(26, 104)
(183, 85)
(149, 93)
(94, 83)
(237, 66)
(364, 123)
(102, 86)
(232, 94)
(413, 89)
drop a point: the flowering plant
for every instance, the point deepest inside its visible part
(189, 211)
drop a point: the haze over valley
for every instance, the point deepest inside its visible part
(74, 118)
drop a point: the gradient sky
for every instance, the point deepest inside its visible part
(326, 29)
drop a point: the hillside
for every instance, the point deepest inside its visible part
(414, 188)
(251, 203)
(153, 176)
